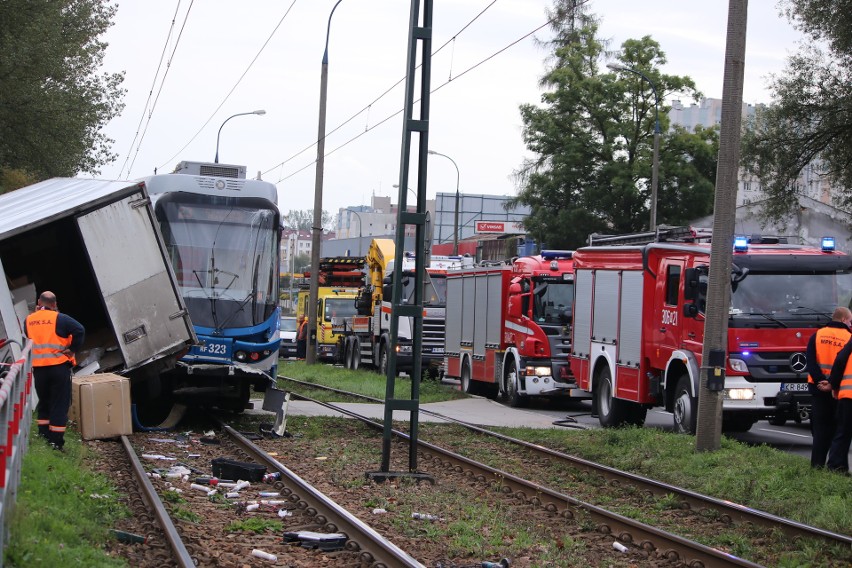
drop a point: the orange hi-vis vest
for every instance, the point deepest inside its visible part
(829, 342)
(845, 390)
(47, 346)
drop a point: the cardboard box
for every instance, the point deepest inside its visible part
(100, 404)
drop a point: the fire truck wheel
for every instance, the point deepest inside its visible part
(511, 387)
(685, 409)
(612, 412)
(468, 385)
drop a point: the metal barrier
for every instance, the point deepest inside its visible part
(15, 421)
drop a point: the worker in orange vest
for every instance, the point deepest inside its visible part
(822, 350)
(841, 385)
(302, 338)
(56, 338)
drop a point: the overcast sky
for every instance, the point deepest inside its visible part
(219, 67)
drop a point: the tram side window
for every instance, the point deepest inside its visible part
(672, 284)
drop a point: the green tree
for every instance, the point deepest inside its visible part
(592, 140)
(53, 103)
(810, 120)
(303, 219)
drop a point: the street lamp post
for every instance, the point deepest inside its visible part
(294, 237)
(316, 229)
(396, 186)
(359, 228)
(655, 165)
(258, 112)
(456, 215)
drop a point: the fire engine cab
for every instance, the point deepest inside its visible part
(638, 327)
(508, 328)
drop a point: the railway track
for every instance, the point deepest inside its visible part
(726, 511)
(312, 513)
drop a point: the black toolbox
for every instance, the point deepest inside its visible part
(226, 468)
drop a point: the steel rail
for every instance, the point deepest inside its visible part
(375, 549)
(626, 530)
(729, 510)
(184, 559)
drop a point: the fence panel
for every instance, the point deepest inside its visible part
(16, 384)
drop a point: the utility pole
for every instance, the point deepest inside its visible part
(714, 360)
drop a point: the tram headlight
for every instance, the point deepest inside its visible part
(241, 356)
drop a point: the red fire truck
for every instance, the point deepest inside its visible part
(638, 327)
(508, 328)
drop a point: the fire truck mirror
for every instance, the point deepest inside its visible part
(690, 310)
(514, 305)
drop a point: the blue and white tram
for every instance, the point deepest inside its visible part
(222, 232)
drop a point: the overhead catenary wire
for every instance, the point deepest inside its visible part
(160, 90)
(387, 118)
(150, 91)
(377, 99)
(234, 88)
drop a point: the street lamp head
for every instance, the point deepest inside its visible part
(219, 134)
(612, 66)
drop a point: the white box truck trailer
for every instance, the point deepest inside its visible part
(96, 244)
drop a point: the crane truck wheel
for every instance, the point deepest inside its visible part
(355, 348)
(685, 411)
(383, 359)
(511, 386)
(612, 412)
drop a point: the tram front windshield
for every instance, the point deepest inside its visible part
(224, 255)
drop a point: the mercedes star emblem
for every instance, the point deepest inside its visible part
(798, 362)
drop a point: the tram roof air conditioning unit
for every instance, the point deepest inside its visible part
(212, 170)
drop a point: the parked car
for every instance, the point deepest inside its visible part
(288, 337)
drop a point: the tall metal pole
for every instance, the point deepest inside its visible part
(456, 215)
(709, 426)
(655, 160)
(292, 266)
(655, 167)
(316, 229)
(257, 112)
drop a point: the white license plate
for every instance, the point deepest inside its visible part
(794, 387)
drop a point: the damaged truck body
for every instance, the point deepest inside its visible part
(96, 244)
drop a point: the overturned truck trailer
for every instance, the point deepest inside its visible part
(96, 244)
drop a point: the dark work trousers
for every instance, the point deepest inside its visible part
(823, 410)
(53, 387)
(838, 455)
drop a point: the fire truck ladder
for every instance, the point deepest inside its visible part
(419, 35)
(663, 234)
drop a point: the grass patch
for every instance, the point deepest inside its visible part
(366, 383)
(759, 477)
(64, 511)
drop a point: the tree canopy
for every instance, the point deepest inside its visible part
(53, 103)
(303, 219)
(592, 140)
(809, 123)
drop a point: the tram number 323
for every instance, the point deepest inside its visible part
(669, 317)
(215, 348)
